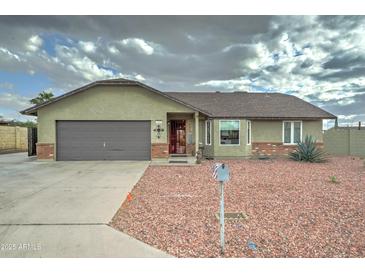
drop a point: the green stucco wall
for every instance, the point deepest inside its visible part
(313, 128)
(266, 131)
(108, 103)
(241, 150)
(272, 131)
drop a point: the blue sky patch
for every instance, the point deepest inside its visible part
(108, 68)
(50, 40)
(261, 89)
(24, 83)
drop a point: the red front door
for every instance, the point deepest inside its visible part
(177, 137)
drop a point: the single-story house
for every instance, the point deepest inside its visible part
(122, 119)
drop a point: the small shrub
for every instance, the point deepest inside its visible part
(333, 179)
(308, 152)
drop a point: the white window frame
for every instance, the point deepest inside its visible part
(239, 133)
(292, 131)
(210, 132)
(249, 132)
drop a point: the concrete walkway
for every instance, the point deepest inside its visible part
(61, 209)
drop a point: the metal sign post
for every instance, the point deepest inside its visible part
(221, 216)
(221, 174)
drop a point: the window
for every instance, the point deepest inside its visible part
(249, 132)
(208, 132)
(229, 132)
(292, 132)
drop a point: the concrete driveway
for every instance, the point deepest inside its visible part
(61, 209)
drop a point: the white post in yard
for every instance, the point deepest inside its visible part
(196, 116)
(221, 216)
(221, 174)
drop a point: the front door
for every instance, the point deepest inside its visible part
(177, 137)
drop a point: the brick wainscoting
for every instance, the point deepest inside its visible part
(190, 149)
(274, 149)
(45, 151)
(160, 150)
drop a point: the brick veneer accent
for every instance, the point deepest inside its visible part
(45, 151)
(274, 148)
(190, 149)
(160, 150)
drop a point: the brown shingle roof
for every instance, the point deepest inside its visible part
(252, 105)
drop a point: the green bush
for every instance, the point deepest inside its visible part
(308, 152)
(333, 179)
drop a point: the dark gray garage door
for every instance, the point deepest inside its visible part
(103, 140)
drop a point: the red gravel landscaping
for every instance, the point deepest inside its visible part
(294, 209)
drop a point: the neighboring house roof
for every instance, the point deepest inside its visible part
(220, 104)
(111, 82)
(252, 105)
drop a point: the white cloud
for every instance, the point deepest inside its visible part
(139, 44)
(10, 54)
(88, 47)
(12, 100)
(139, 77)
(31, 71)
(191, 38)
(113, 50)
(6, 85)
(34, 43)
(73, 61)
(277, 63)
(234, 84)
(347, 117)
(233, 46)
(263, 57)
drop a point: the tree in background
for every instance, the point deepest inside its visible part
(42, 97)
(18, 123)
(27, 123)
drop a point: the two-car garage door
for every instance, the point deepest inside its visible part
(103, 140)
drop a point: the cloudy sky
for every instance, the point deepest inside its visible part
(320, 59)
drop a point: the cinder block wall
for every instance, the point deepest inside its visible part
(345, 141)
(13, 138)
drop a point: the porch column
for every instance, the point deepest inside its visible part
(196, 116)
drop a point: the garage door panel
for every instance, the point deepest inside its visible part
(103, 140)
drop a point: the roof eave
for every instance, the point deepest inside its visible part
(272, 118)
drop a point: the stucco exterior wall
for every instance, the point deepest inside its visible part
(313, 128)
(272, 131)
(266, 131)
(109, 103)
(241, 150)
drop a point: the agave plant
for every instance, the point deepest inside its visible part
(308, 152)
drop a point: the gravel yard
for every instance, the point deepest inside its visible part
(294, 209)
